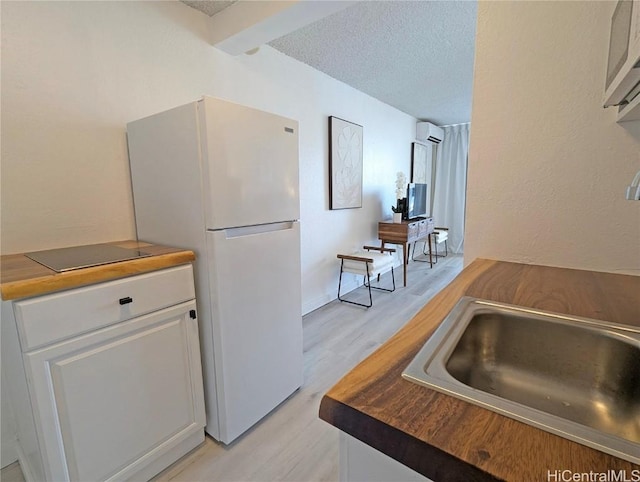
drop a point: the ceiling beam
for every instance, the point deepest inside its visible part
(246, 25)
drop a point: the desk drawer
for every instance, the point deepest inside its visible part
(422, 228)
(430, 225)
(45, 319)
(425, 227)
(413, 230)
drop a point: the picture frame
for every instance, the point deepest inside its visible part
(345, 164)
(422, 168)
(421, 163)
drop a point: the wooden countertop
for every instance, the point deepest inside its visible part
(21, 277)
(447, 439)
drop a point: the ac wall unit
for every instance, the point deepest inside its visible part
(426, 131)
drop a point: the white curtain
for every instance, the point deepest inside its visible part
(451, 184)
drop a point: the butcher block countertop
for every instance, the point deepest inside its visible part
(21, 277)
(447, 439)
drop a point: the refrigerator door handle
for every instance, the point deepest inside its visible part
(257, 229)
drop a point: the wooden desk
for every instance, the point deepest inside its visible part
(405, 233)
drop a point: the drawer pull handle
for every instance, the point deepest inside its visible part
(125, 301)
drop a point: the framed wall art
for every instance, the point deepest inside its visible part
(421, 163)
(345, 164)
(422, 168)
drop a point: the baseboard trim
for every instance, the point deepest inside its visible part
(314, 304)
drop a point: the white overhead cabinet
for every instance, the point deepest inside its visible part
(111, 374)
(622, 87)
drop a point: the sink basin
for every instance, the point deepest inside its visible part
(576, 377)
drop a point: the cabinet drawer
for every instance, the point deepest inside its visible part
(430, 225)
(57, 316)
(422, 228)
(412, 231)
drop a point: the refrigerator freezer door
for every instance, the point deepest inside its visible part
(251, 165)
(257, 321)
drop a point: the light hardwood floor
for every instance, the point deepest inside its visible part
(292, 443)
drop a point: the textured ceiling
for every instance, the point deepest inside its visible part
(416, 56)
(210, 7)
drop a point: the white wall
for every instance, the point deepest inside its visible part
(73, 75)
(548, 166)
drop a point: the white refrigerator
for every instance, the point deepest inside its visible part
(222, 179)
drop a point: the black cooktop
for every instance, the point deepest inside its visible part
(76, 257)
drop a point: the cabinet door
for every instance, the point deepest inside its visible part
(110, 402)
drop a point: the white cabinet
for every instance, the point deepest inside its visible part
(113, 377)
(362, 463)
(623, 71)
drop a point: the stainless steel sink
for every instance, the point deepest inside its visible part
(576, 377)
